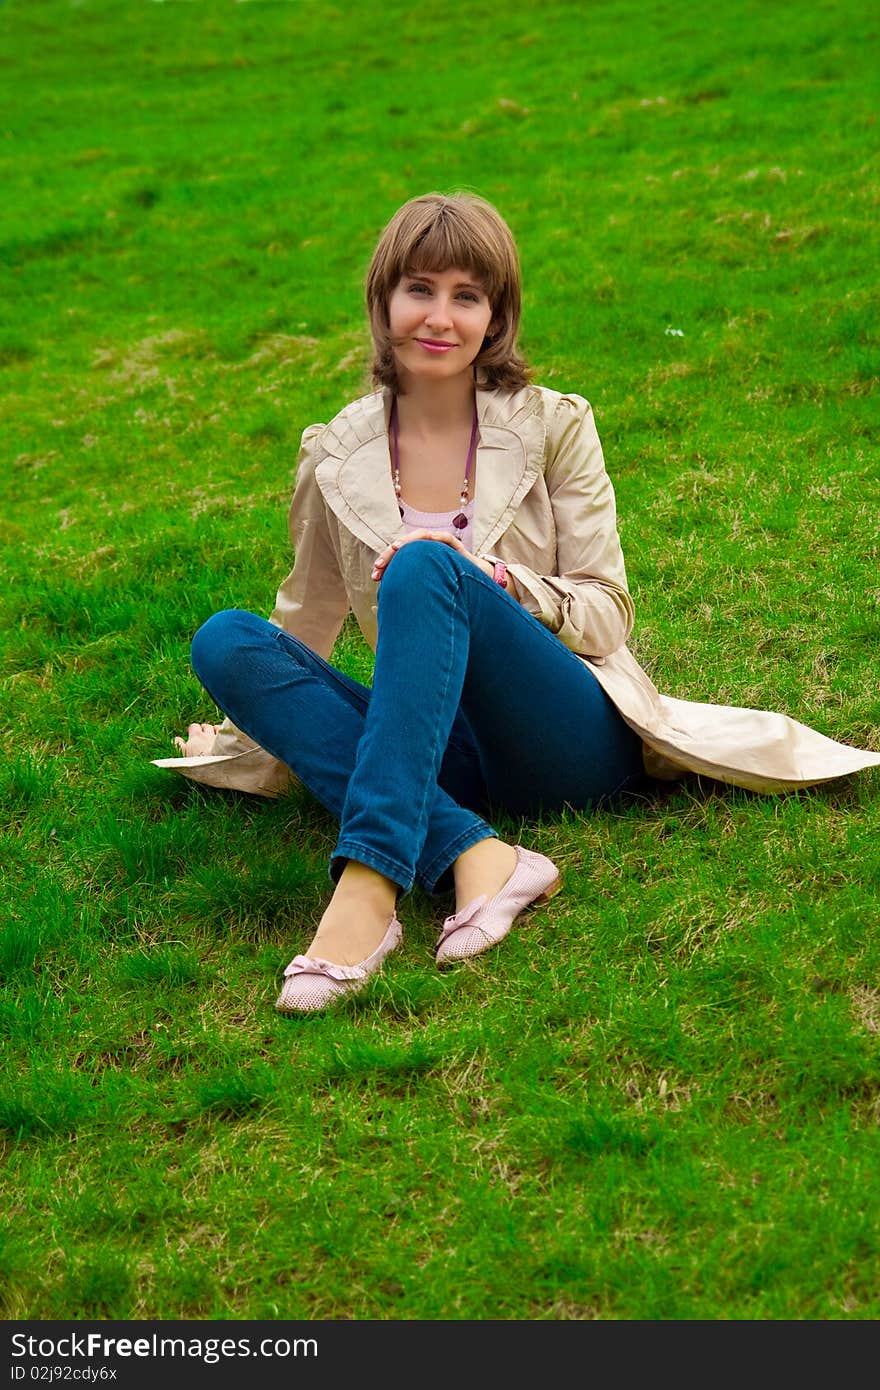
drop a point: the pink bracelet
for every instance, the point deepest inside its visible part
(499, 573)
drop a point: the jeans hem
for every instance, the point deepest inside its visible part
(430, 877)
(389, 868)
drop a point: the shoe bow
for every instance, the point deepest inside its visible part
(314, 965)
(462, 918)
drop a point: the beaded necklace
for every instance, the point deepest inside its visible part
(460, 521)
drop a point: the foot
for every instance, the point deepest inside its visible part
(482, 869)
(357, 932)
(312, 984)
(357, 916)
(485, 921)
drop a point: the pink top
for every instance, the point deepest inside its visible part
(439, 521)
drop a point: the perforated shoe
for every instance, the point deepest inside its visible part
(311, 983)
(486, 921)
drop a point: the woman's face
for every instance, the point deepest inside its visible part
(438, 321)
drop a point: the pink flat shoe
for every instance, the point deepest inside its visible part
(310, 983)
(486, 921)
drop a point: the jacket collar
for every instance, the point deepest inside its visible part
(354, 474)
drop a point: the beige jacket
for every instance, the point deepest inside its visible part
(545, 505)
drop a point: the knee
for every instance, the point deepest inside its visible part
(417, 562)
(219, 643)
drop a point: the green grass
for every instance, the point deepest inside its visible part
(661, 1098)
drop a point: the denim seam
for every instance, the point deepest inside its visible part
(522, 613)
(362, 697)
(631, 777)
(315, 786)
(476, 576)
(327, 669)
(422, 818)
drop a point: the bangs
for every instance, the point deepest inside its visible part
(446, 245)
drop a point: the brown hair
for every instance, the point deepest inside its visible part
(439, 232)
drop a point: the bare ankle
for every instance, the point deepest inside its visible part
(483, 869)
(357, 916)
(360, 881)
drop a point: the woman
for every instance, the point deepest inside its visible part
(466, 518)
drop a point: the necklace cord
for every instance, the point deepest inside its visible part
(460, 521)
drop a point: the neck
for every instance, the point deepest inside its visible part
(432, 405)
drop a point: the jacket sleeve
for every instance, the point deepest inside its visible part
(586, 603)
(311, 604)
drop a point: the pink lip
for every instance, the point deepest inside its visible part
(431, 346)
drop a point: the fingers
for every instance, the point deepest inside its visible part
(384, 558)
(199, 738)
(381, 561)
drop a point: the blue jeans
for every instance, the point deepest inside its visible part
(474, 704)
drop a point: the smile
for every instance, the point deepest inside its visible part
(430, 346)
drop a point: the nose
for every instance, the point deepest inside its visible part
(439, 314)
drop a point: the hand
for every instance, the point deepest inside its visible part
(199, 740)
(383, 560)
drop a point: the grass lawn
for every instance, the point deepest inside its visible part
(660, 1099)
